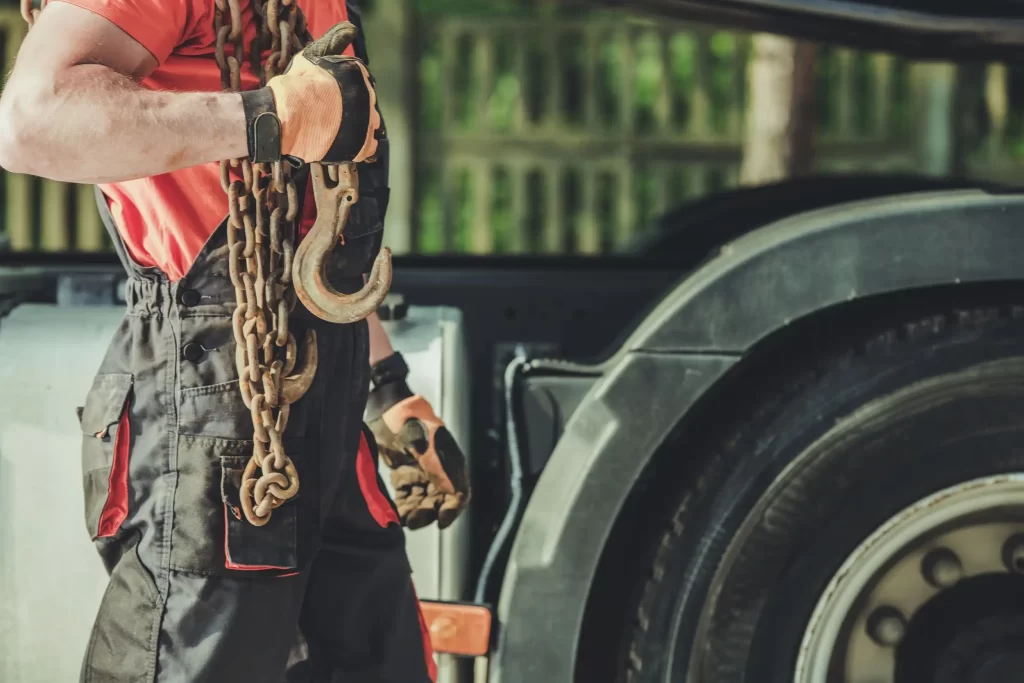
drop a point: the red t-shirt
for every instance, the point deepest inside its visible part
(165, 220)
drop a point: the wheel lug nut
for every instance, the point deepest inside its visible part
(942, 568)
(1013, 554)
(886, 626)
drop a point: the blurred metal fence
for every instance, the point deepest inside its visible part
(43, 215)
(626, 119)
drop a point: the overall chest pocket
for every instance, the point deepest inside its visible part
(106, 449)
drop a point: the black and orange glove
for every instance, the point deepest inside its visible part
(323, 108)
(428, 467)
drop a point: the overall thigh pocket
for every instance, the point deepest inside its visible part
(210, 533)
(272, 546)
(106, 447)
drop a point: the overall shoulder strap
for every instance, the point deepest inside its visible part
(359, 45)
(115, 236)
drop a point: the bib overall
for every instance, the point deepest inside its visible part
(196, 594)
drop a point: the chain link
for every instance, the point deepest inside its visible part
(263, 205)
(30, 10)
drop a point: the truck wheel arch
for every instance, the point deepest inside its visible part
(754, 288)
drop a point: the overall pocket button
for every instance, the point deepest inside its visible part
(189, 298)
(192, 352)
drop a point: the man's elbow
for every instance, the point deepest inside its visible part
(19, 131)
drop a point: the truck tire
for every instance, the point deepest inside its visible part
(864, 523)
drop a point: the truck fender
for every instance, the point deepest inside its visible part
(753, 288)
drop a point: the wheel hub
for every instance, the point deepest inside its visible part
(990, 651)
(1004, 667)
(921, 595)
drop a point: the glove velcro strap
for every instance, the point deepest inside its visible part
(384, 397)
(263, 127)
(391, 369)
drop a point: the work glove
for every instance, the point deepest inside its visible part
(323, 108)
(428, 468)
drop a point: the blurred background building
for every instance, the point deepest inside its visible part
(552, 128)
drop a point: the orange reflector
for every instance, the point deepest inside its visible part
(458, 628)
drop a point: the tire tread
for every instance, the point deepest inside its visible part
(885, 342)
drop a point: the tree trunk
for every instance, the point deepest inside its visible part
(937, 126)
(969, 117)
(781, 116)
(391, 35)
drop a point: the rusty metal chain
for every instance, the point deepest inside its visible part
(30, 10)
(263, 205)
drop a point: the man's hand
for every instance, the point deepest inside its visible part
(323, 107)
(429, 470)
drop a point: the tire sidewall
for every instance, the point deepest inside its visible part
(782, 440)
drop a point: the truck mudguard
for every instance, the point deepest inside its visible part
(937, 29)
(753, 288)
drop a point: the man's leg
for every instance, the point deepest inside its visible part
(361, 619)
(205, 629)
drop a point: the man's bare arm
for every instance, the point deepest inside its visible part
(73, 109)
(380, 343)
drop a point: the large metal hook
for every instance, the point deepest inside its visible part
(334, 202)
(295, 386)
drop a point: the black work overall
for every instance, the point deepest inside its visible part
(196, 594)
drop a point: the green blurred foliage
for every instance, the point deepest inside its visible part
(470, 7)
(476, 8)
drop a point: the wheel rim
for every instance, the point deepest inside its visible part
(940, 544)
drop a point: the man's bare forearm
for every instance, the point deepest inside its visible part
(380, 343)
(90, 124)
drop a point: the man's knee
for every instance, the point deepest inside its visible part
(123, 644)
